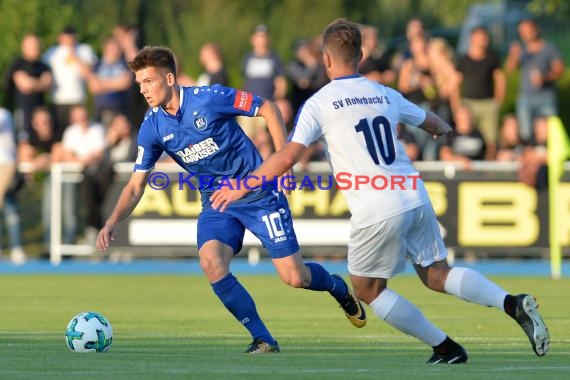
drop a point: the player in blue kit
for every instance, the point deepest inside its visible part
(196, 127)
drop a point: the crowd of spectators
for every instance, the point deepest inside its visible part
(71, 106)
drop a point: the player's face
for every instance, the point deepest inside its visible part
(155, 85)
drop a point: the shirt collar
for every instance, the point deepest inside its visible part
(351, 76)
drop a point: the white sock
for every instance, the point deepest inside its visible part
(406, 317)
(472, 286)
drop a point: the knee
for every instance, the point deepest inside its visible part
(369, 292)
(212, 267)
(436, 280)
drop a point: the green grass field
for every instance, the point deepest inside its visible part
(174, 327)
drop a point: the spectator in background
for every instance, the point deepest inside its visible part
(36, 152)
(120, 146)
(533, 160)
(541, 66)
(27, 82)
(532, 168)
(306, 73)
(83, 142)
(262, 68)
(213, 65)
(510, 147)
(414, 29)
(415, 80)
(71, 64)
(35, 149)
(483, 86)
(183, 78)
(445, 78)
(8, 202)
(417, 85)
(7, 152)
(109, 82)
(374, 65)
(130, 41)
(467, 143)
(263, 76)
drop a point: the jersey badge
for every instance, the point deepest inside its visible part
(200, 122)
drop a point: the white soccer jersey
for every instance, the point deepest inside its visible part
(357, 120)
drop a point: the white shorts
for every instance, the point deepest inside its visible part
(380, 250)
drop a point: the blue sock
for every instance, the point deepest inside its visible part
(322, 280)
(238, 301)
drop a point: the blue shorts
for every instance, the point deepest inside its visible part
(268, 218)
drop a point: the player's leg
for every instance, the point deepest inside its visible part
(377, 253)
(269, 219)
(406, 317)
(313, 276)
(428, 252)
(219, 238)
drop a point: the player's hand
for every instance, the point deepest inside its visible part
(285, 183)
(445, 131)
(225, 195)
(106, 236)
(448, 132)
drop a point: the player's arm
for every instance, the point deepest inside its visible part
(275, 124)
(128, 200)
(277, 164)
(435, 125)
(276, 127)
(414, 116)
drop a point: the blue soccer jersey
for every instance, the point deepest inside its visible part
(204, 139)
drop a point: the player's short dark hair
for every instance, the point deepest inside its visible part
(342, 38)
(154, 56)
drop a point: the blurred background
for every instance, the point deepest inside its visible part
(73, 110)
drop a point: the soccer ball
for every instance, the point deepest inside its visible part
(89, 332)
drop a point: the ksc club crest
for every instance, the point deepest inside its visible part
(200, 122)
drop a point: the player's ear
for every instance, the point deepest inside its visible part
(171, 79)
(327, 59)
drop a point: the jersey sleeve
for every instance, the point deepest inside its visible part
(308, 125)
(410, 114)
(229, 101)
(148, 151)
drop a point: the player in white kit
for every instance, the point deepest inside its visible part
(392, 216)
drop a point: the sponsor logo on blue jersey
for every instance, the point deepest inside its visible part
(198, 151)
